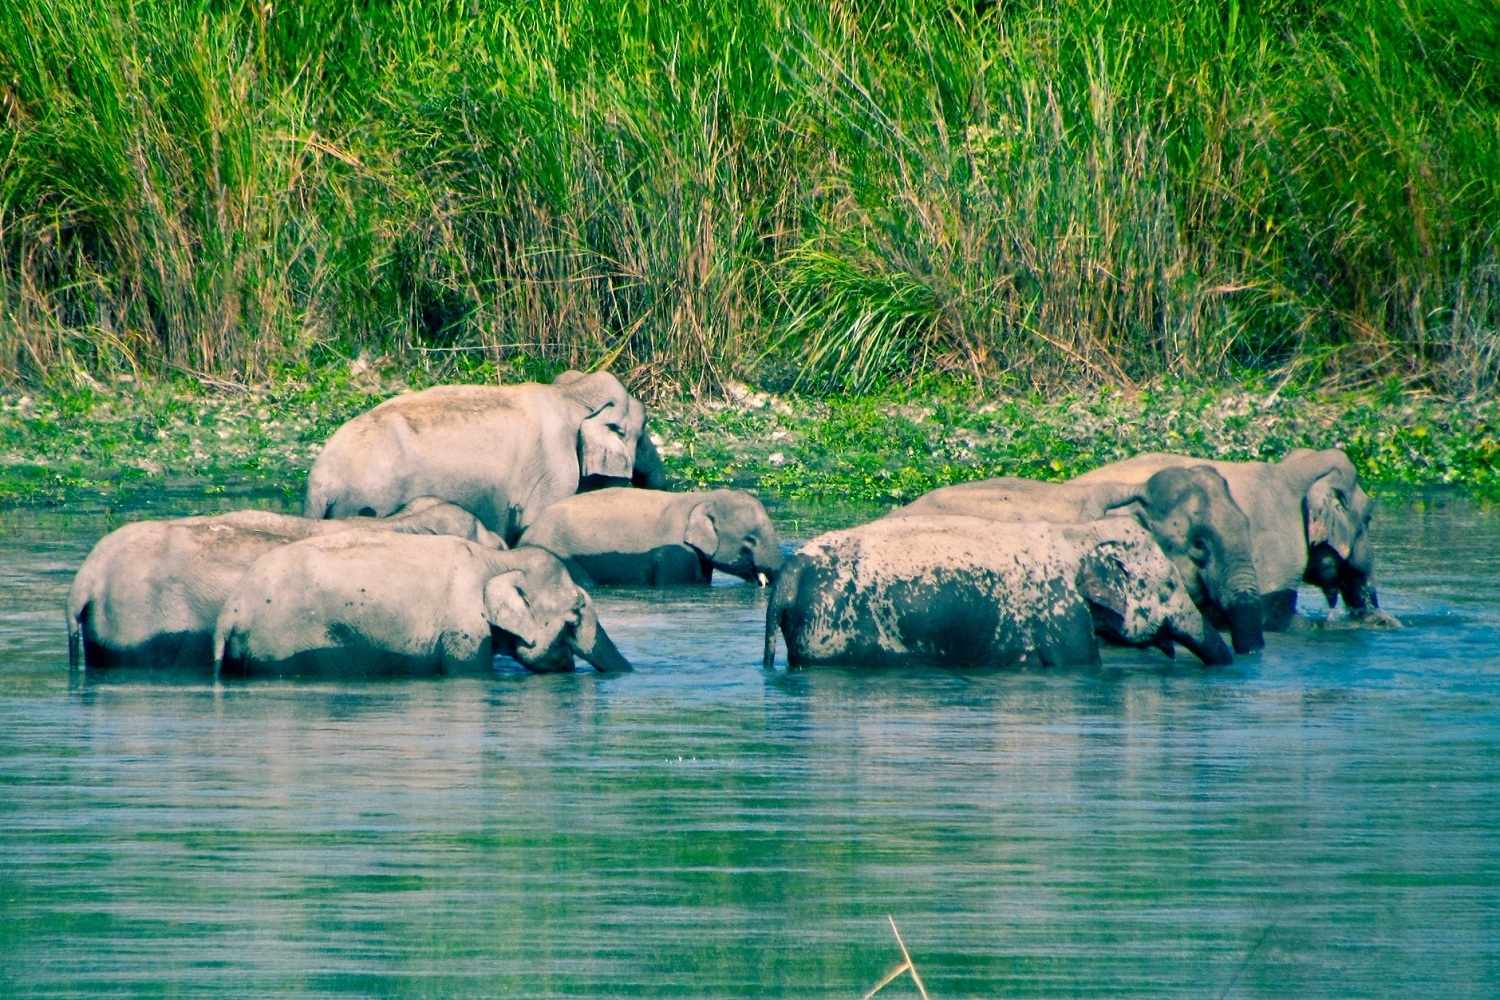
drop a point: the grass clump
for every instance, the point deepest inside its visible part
(1100, 194)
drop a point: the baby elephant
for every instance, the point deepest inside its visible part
(367, 604)
(652, 538)
(149, 593)
(964, 591)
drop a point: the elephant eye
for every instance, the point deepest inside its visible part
(617, 430)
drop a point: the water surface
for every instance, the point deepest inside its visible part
(1321, 819)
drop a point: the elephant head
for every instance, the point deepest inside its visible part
(1189, 512)
(612, 441)
(1336, 515)
(543, 617)
(1138, 599)
(731, 529)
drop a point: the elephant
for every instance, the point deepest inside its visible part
(652, 538)
(1309, 522)
(1188, 510)
(504, 452)
(363, 604)
(149, 592)
(953, 590)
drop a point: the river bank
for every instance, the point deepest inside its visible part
(92, 439)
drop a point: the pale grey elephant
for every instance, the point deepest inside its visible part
(1309, 522)
(965, 591)
(652, 538)
(1187, 509)
(150, 592)
(504, 452)
(367, 605)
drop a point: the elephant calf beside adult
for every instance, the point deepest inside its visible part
(965, 591)
(149, 593)
(1309, 522)
(504, 452)
(1188, 511)
(652, 538)
(365, 604)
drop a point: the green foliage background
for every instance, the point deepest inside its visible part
(796, 191)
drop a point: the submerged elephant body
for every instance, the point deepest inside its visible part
(1309, 522)
(1189, 511)
(652, 538)
(366, 604)
(504, 452)
(150, 593)
(964, 591)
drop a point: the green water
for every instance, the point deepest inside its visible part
(1319, 820)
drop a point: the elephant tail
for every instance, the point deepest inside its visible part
(80, 607)
(783, 596)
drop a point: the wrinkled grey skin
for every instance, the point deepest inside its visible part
(149, 593)
(1309, 522)
(504, 452)
(652, 538)
(1188, 510)
(366, 604)
(965, 591)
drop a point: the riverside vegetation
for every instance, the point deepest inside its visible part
(994, 237)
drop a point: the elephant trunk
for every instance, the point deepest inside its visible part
(591, 642)
(649, 472)
(1242, 604)
(1207, 645)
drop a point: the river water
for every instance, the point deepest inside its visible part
(1321, 819)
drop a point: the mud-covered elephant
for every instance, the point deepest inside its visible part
(1309, 522)
(1188, 510)
(652, 538)
(150, 592)
(504, 452)
(965, 591)
(366, 604)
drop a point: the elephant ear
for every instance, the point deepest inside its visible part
(1106, 580)
(1102, 577)
(1329, 518)
(605, 445)
(506, 608)
(702, 534)
(602, 446)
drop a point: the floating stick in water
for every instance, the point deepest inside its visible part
(905, 966)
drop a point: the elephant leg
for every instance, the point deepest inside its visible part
(1361, 600)
(1280, 608)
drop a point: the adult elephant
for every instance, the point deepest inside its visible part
(366, 604)
(652, 538)
(149, 593)
(965, 591)
(1188, 510)
(504, 452)
(1309, 522)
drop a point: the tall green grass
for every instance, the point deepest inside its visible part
(825, 193)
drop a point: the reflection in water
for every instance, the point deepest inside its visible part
(1320, 819)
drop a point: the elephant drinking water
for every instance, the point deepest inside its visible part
(1187, 510)
(361, 604)
(964, 591)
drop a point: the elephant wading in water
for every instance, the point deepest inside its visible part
(504, 452)
(368, 605)
(1309, 522)
(964, 591)
(149, 593)
(1188, 510)
(647, 537)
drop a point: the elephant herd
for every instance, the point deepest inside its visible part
(445, 526)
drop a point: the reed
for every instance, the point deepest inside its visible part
(827, 194)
